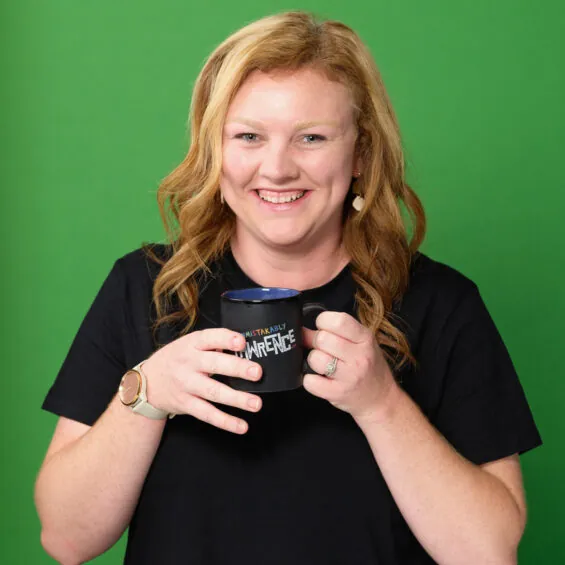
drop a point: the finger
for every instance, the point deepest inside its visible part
(334, 345)
(215, 363)
(321, 386)
(206, 412)
(220, 393)
(343, 325)
(308, 336)
(217, 338)
(319, 361)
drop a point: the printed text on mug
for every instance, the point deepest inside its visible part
(275, 340)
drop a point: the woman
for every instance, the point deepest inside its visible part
(402, 448)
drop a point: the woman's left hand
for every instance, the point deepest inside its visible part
(362, 382)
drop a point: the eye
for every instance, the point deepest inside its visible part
(313, 138)
(249, 137)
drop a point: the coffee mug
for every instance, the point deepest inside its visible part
(271, 321)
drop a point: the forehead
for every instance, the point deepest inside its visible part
(302, 94)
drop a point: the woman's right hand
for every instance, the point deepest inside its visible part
(179, 377)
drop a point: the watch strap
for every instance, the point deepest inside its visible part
(145, 409)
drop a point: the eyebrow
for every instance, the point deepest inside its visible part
(298, 126)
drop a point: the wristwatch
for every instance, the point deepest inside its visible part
(133, 393)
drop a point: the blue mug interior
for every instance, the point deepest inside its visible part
(260, 294)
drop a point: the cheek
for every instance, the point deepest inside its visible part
(332, 171)
(237, 166)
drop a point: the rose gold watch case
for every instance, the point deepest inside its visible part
(130, 387)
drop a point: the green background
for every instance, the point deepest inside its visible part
(93, 111)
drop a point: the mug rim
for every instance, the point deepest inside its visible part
(224, 295)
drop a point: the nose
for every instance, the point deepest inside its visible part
(277, 164)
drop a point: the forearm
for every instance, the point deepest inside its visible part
(86, 492)
(460, 513)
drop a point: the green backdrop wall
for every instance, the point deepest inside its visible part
(94, 106)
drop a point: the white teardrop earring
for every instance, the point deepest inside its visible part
(222, 198)
(358, 203)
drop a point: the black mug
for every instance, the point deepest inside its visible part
(271, 321)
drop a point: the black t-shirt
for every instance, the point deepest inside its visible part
(302, 486)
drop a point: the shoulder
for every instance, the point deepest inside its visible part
(133, 274)
(144, 262)
(436, 279)
(437, 294)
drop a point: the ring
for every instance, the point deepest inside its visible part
(331, 367)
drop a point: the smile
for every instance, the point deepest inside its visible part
(281, 197)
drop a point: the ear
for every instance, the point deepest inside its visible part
(358, 166)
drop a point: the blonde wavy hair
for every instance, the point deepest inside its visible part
(199, 226)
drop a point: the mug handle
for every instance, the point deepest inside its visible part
(309, 309)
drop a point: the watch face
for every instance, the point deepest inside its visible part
(130, 387)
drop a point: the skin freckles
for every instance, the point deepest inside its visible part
(287, 133)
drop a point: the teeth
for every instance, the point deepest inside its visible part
(281, 199)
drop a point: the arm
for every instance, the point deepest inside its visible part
(460, 513)
(88, 486)
(91, 479)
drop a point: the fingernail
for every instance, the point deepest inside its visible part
(241, 426)
(253, 372)
(253, 403)
(237, 341)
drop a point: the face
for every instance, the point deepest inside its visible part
(288, 157)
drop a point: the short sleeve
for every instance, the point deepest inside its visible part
(94, 365)
(483, 411)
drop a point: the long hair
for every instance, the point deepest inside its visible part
(199, 226)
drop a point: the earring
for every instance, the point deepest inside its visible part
(358, 203)
(222, 198)
(356, 173)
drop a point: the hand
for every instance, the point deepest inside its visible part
(179, 377)
(362, 381)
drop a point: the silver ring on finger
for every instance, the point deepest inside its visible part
(331, 367)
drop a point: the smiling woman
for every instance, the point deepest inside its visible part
(401, 448)
(290, 121)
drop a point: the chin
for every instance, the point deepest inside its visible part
(288, 239)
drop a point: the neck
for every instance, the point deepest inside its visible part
(299, 268)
